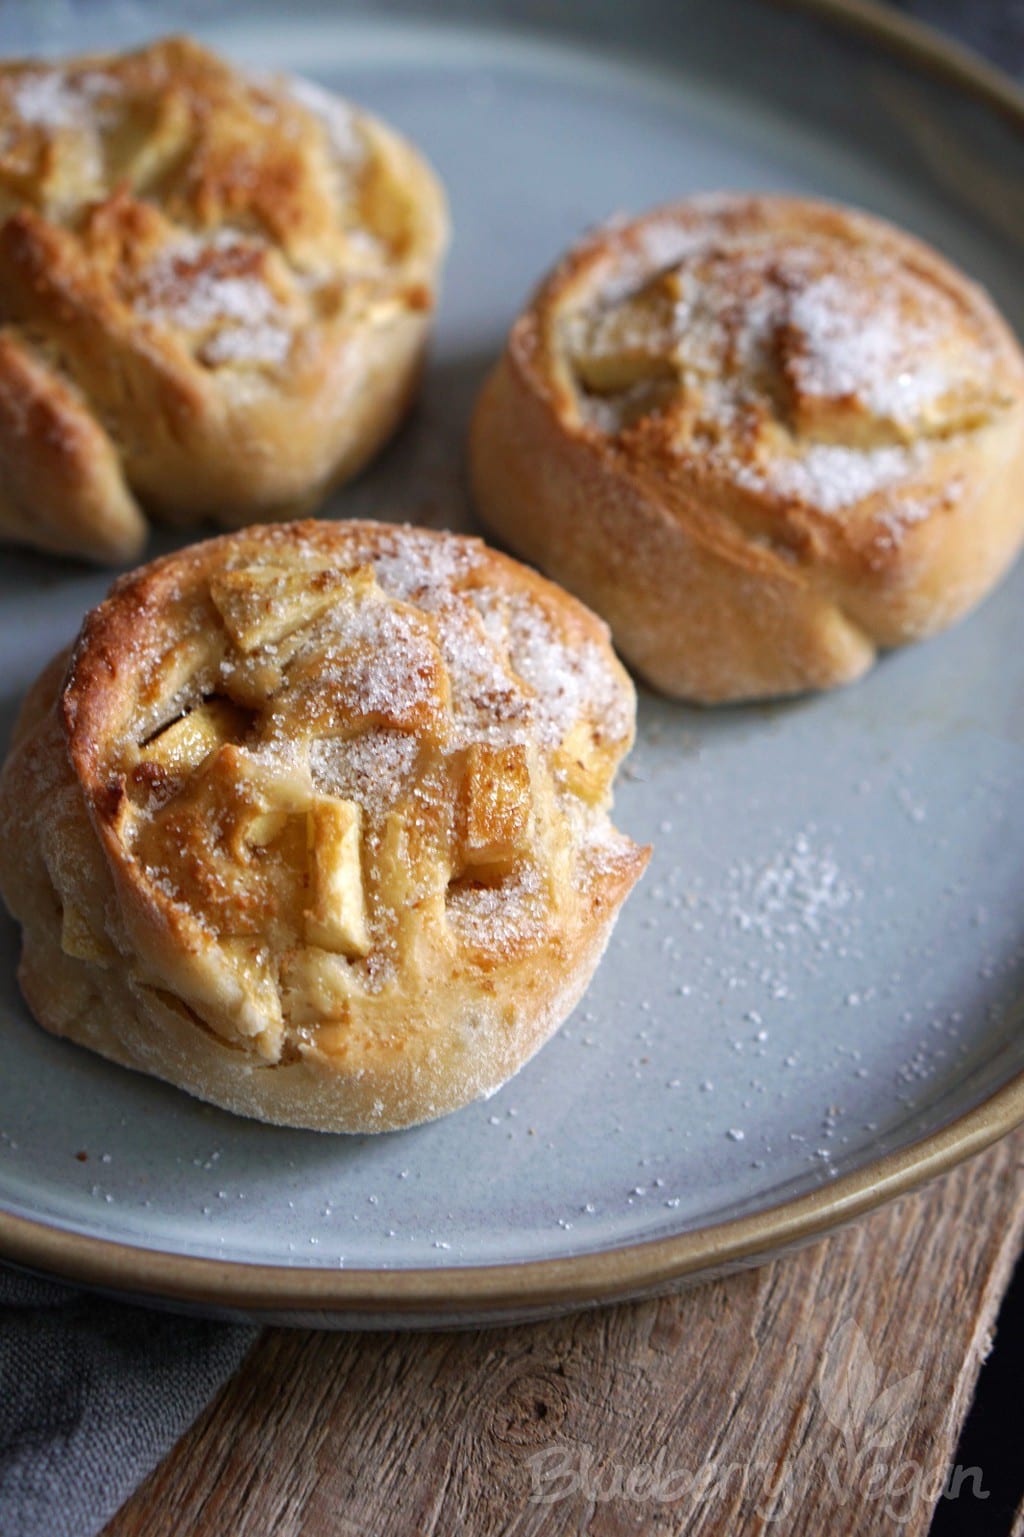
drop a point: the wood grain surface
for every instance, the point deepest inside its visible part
(824, 1392)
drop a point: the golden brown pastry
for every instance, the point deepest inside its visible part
(215, 290)
(314, 823)
(763, 437)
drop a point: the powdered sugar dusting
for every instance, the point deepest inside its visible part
(52, 100)
(417, 566)
(878, 352)
(182, 287)
(829, 476)
(571, 682)
(814, 370)
(382, 663)
(375, 769)
(502, 917)
(488, 701)
(214, 290)
(63, 107)
(265, 344)
(801, 889)
(337, 115)
(603, 848)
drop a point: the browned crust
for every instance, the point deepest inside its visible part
(124, 418)
(714, 592)
(61, 843)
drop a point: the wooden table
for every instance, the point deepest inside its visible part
(823, 1392)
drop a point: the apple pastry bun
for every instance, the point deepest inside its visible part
(763, 437)
(215, 290)
(314, 822)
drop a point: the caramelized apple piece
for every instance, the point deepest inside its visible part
(495, 809)
(187, 742)
(630, 342)
(337, 918)
(262, 604)
(208, 841)
(584, 765)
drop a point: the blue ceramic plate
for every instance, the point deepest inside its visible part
(813, 999)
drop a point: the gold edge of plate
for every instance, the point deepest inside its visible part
(919, 44)
(531, 1285)
(610, 1274)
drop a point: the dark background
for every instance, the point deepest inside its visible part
(994, 27)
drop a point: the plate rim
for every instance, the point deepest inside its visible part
(607, 1275)
(620, 1271)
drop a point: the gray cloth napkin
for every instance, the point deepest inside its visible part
(93, 1394)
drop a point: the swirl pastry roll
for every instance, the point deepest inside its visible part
(763, 437)
(215, 290)
(314, 822)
